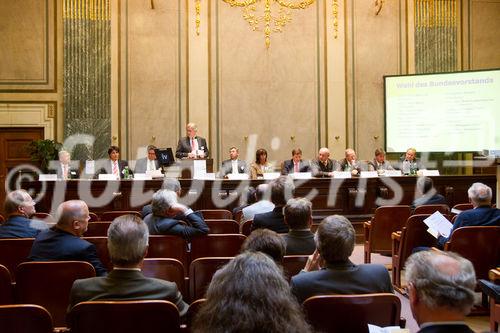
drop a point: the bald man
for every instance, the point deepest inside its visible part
(324, 166)
(192, 146)
(63, 241)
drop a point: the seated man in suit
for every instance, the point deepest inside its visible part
(149, 163)
(267, 242)
(165, 219)
(350, 163)
(298, 216)
(441, 291)
(379, 163)
(262, 205)
(329, 270)
(409, 164)
(19, 207)
(127, 246)
(64, 167)
(171, 184)
(113, 165)
(192, 146)
(281, 189)
(429, 195)
(296, 164)
(324, 166)
(481, 215)
(63, 241)
(233, 164)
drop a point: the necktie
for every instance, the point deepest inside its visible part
(296, 168)
(65, 171)
(192, 144)
(115, 169)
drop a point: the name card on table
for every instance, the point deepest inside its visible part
(391, 173)
(237, 176)
(428, 173)
(301, 175)
(142, 176)
(47, 177)
(107, 176)
(206, 176)
(342, 174)
(369, 174)
(271, 175)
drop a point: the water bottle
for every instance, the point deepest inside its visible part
(126, 173)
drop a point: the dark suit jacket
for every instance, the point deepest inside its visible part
(288, 167)
(126, 285)
(104, 167)
(57, 245)
(273, 220)
(446, 328)
(161, 225)
(141, 165)
(18, 226)
(480, 216)
(342, 278)
(227, 167)
(299, 242)
(360, 166)
(73, 172)
(416, 163)
(436, 199)
(321, 170)
(184, 146)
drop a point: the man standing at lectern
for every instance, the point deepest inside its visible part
(192, 146)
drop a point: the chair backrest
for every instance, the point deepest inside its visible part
(2, 219)
(387, 219)
(352, 313)
(223, 226)
(44, 217)
(166, 269)
(216, 245)
(430, 209)
(194, 308)
(14, 251)
(238, 215)
(293, 264)
(481, 245)
(201, 271)
(25, 318)
(97, 229)
(460, 207)
(216, 214)
(167, 246)
(6, 295)
(314, 227)
(93, 217)
(111, 215)
(49, 284)
(414, 234)
(246, 227)
(101, 244)
(124, 317)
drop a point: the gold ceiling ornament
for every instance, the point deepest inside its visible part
(335, 13)
(256, 16)
(197, 6)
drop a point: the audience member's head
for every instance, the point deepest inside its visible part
(424, 184)
(73, 216)
(151, 152)
(114, 153)
(323, 154)
(261, 156)
(262, 192)
(172, 184)
(19, 202)
(282, 189)
(411, 154)
(298, 213)
(267, 242)
(128, 239)
(335, 239)
(251, 196)
(162, 202)
(250, 294)
(350, 155)
(440, 286)
(64, 157)
(480, 195)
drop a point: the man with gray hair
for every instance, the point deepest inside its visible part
(324, 166)
(171, 184)
(148, 163)
(19, 207)
(191, 146)
(298, 216)
(329, 270)
(63, 241)
(127, 245)
(172, 218)
(481, 215)
(441, 291)
(263, 205)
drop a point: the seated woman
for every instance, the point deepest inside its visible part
(260, 166)
(250, 294)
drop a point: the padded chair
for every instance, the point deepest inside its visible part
(314, 227)
(238, 215)
(49, 284)
(386, 220)
(166, 269)
(460, 207)
(353, 313)
(101, 244)
(246, 227)
(167, 246)
(293, 264)
(2, 219)
(124, 317)
(431, 209)
(494, 295)
(194, 308)
(223, 226)
(216, 245)
(93, 217)
(403, 242)
(111, 215)
(44, 217)
(216, 214)
(6, 295)
(25, 318)
(14, 251)
(97, 229)
(201, 271)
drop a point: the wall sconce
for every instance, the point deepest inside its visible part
(378, 6)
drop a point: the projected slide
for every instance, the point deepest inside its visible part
(443, 112)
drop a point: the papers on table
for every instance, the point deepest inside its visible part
(47, 177)
(438, 225)
(154, 173)
(387, 329)
(428, 173)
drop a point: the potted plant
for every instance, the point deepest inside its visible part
(44, 151)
